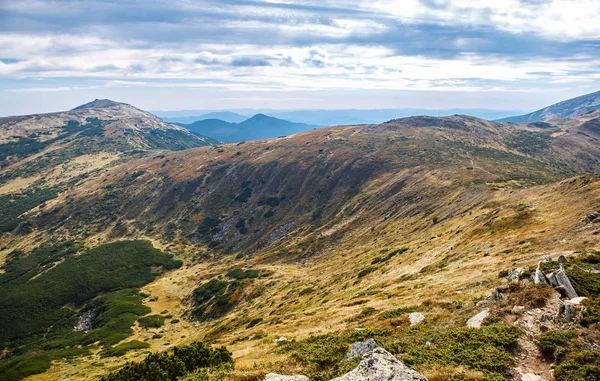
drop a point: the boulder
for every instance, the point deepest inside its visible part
(279, 377)
(280, 340)
(360, 349)
(516, 274)
(416, 318)
(563, 281)
(475, 321)
(566, 313)
(379, 365)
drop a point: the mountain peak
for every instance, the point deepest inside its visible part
(99, 103)
(565, 109)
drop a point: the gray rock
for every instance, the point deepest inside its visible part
(475, 321)
(563, 280)
(516, 274)
(566, 313)
(416, 318)
(86, 321)
(279, 377)
(361, 348)
(280, 340)
(379, 365)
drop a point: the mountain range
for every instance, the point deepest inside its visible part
(327, 117)
(259, 126)
(123, 235)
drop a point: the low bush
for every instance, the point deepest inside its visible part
(172, 366)
(123, 348)
(584, 366)
(553, 343)
(151, 321)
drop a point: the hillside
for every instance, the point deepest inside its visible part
(566, 109)
(43, 154)
(325, 237)
(260, 126)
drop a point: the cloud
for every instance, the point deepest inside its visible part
(250, 62)
(234, 45)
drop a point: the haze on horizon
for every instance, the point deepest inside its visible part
(328, 54)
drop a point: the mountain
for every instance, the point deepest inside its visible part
(288, 250)
(226, 116)
(260, 126)
(329, 117)
(44, 146)
(565, 109)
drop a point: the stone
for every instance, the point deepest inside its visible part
(576, 301)
(516, 274)
(563, 280)
(566, 313)
(592, 216)
(530, 377)
(279, 377)
(379, 365)
(475, 321)
(280, 340)
(416, 318)
(360, 349)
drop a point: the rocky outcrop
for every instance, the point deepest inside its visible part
(477, 320)
(379, 365)
(279, 377)
(86, 321)
(360, 349)
(416, 318)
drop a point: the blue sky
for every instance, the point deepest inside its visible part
(183, 54)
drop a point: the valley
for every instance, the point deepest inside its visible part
(287, 250)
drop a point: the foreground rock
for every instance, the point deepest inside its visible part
(477, 320)
(279, 377)
(416, 318)
(360, 349)
(379, 365)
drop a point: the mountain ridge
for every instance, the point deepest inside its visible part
(565, 109)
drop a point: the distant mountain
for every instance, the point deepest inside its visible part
(260, 126)
(329, 117)
(565, 109)
(227, 116)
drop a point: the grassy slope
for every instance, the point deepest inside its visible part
(452, 197)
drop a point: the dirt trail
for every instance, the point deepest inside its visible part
(531, 365)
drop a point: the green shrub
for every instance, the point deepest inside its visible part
(170, 367)
(397, 312)
(553, 343)
(26, 287)
(240, 274)
(366, 271)
(151, 321)
(582, 366)
(487, 349)
(123, 348)
(254, 323)
(591, 313)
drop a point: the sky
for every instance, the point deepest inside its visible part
(304, 54)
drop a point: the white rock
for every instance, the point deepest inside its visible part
(476, 320)
(576, 301)
(416, 318)
(530, 377)
(281, 339)
(279, 377)
(379, 365)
